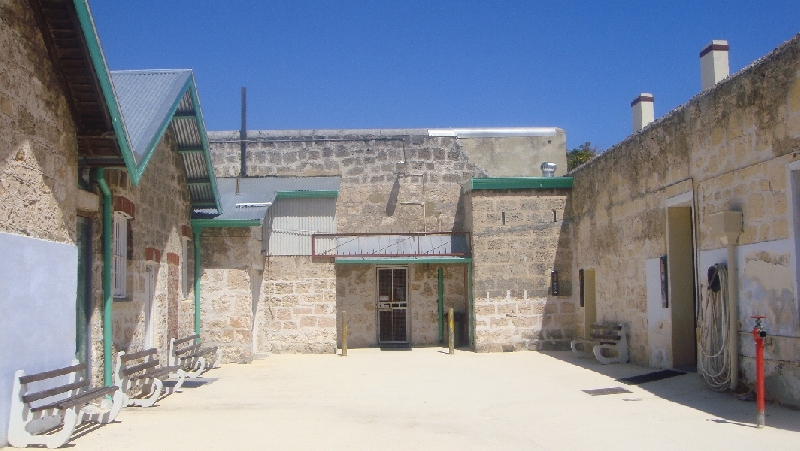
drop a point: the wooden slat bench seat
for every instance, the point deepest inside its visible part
(42, 402)
(610, 337)
(192, 357)
(141, 378)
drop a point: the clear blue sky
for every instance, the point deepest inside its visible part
(402, 64)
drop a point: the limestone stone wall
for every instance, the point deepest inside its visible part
(356, 293)
(38, 147)
(229, 288)
(734, 147)
(519, 237)
(297, 308)
(161, 218)
(372, 197)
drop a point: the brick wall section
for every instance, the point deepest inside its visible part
(162, 208)
(514, 308)
(38, 150)
(730, 147)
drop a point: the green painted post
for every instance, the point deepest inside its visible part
(108, 303)
(440, 274)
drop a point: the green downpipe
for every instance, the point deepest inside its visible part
(197, 280)
(471, 309)
(440, 275)
(107, 295)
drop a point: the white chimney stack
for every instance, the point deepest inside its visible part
(714, 63)
(643, 112)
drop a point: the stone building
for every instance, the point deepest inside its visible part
(100, 174)
(394, 247)
(654, 197)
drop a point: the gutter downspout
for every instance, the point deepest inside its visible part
(107, 294)
(196, 234)
(440, 276)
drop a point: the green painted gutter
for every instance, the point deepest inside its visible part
(402, 261)
(440, 277)
(107, 294)
(204, 223)
(305, 194)
(503, 183)
(197, 280)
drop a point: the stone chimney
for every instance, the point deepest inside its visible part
(643, 113)
(714, 63)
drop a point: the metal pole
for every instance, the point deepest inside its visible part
(344, 333)
(243, 136)
(758, 336)
(451, 332)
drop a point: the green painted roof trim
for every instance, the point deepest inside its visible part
(503, 183)
(139, 168)
(201, 125)
(305, 194)
(199, 224)
(136, 169)
(403, 261)
(101, 70)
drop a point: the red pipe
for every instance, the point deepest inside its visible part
(758, 336)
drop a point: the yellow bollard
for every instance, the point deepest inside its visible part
(451, 332)
(344, 333)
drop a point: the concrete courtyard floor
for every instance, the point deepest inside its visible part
(426, 399)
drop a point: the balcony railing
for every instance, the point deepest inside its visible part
(431, 244)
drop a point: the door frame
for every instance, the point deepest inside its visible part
(377, 303)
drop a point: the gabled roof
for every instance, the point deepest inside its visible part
(71, 40)
(249, 198)
(151, 101)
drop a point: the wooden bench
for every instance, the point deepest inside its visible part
(141, 379)
(605, 336)
(193, 358)
(43, 401)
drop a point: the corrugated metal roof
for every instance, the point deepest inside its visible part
(152, 100)
(261, 190)
(147, 100)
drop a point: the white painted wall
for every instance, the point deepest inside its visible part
(38, 287)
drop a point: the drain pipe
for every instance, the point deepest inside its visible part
(196, 236)
(727, 225)
(107, 295)
(471, 307)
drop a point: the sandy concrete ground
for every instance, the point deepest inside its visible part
(426, 399)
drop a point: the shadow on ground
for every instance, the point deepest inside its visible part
(690, 390)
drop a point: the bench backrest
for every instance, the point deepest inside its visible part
(138, 361)
(76, 382)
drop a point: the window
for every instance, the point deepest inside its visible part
(119, 249)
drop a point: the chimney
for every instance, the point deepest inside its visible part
(714, 63)
(643, 113)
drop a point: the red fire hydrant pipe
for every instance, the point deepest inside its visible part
(758, 336)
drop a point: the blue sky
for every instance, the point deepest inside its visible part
(423, 64)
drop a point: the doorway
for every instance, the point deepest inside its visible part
(392, 305)
(149, 300)
(680, 273)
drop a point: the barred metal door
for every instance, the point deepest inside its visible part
(392, 305)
